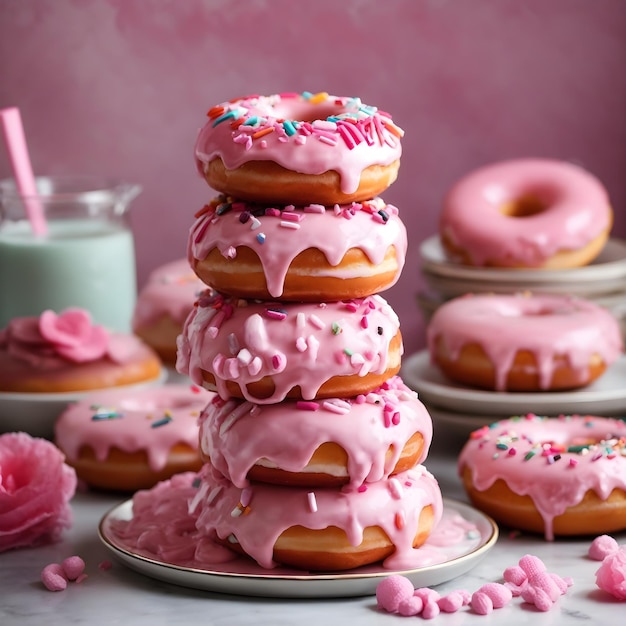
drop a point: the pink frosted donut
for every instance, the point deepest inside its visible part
(299, 148)
(538, 213)
(128, 440)
(268, 351)
(325, 529)
(557, 476)
(332, 442)
(163, 305)
(523, 342)
(308, 253)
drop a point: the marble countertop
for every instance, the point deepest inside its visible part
(121, 595)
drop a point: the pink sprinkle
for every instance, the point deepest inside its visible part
(301, 345)
(395, 418)
(512, 452)
(105, 565)
(362, 488)
(53, 577)
(275, 314)
(331, 141)
(303, 405)
(573, 462)
(279, 361)
(316, 321)
(395, 488)
(73, 567)
(364, 322)
(312, 502)
(246, 496)
(315, 208)
(291, 225)
(290, 216)
(360, 399)
(272, 212)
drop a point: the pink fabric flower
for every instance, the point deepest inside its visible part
(51, 340)
(35, 489)
(611, 576)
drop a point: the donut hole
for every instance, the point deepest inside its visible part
(524, 206)
(306, 112)
(152, 405)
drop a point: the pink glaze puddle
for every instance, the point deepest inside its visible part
(162, 529)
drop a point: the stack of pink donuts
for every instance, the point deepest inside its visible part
(313, 447)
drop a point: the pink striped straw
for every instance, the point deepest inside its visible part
(22, 170)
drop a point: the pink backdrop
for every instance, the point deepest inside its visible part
(121, 87)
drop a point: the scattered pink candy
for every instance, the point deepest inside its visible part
(454, 601)
(53, 577)
(611, 576)
(489, 597)
(601, 547)
(392, 590)
(73, 567)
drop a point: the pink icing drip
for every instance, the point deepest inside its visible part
(314, 149)
(578, 211)
(553, 485)
(274, 509)
(236, 434)
(170, 290)
(129, 425)
(543, 325)
(327, 231)
(332, 332)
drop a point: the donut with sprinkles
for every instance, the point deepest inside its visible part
(556, 476)
(299, 149)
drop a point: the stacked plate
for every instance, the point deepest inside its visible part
(457, 410)
(603, 280)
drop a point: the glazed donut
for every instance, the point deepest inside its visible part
(265, 352)
(126, 440)
(66, 353)
(163, 305)
(557, 476)
(299, 148)
(317, 444)
(523, 342)
(536, 213)
(249, 251)
(326, 529)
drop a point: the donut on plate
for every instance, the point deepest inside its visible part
(265, 352)
(252, 251)
(299, 148)
(327, 443)
(523, 342)
(322, 529)
(65, 352)
(125, 440)
(526, 213)
(556, 476)
(163, 305)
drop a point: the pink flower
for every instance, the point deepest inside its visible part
(51, 340)
(35, 489)
(611, 576)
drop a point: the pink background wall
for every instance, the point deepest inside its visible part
(121, 87)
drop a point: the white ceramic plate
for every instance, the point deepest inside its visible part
(36, 413)
(607, 273)
(261, 582)
(606, 396)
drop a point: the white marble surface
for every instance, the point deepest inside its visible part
(120, 595)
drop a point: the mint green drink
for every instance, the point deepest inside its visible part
(86, 260)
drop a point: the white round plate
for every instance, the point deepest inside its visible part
(36, 413)
(606, 396)
(293, 584)
(607, 273)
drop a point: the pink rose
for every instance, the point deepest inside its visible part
(35, 489)
(611, 576)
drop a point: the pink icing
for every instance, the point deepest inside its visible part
(555, 461)
(301, 344)
(546, 326)
(152, 419)
(577, 211)
(270, 510)
(237, 434)
(372, 227)
(309, 134)
(52, 341)
(170, 291)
